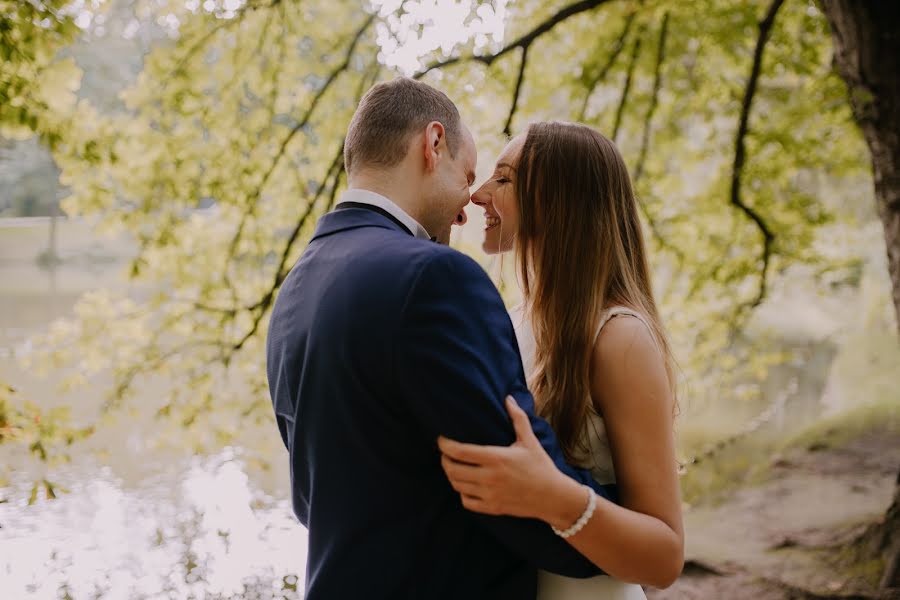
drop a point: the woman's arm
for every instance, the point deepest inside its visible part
(641, 541)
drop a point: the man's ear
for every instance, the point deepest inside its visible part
(435, 142)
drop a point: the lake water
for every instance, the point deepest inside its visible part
(134, 523)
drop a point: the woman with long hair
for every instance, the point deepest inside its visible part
(598, 363)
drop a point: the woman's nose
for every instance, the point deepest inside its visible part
(479, 197)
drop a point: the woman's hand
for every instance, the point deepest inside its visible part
(503, 480)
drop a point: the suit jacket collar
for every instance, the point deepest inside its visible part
(362, 197)
(378, 209)
(354, 218)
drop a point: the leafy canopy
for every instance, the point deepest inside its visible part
(728, 113)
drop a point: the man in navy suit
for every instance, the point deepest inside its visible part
(379, 342)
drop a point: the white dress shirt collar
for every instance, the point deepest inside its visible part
(367, 197)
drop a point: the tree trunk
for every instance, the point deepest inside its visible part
(890, 542)
(866, 38)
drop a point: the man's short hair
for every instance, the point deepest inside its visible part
(389, 114)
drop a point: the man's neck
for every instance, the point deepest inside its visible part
(404, 198)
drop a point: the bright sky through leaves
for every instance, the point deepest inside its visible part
(427, 25)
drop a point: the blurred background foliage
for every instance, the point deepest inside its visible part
(200, 141)
(219, 155)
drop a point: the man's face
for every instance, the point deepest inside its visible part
(450, 192)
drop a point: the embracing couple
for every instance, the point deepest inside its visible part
(420, 462)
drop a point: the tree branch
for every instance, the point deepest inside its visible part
(337, 166)
(331, 79)
(765, 29)
(282, 52)
(124, 382)
(618, 46)
(256, 194)
(334, 170)
(334, 188)
(654, 98)
(645, 141)
(629, 77)
(515, 101)
(525, 40)
(337, 169)
(222, 24)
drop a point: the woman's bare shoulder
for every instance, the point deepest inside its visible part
(625, 359)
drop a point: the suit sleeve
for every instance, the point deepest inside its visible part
(456, 359)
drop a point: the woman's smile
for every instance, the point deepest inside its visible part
(497, 198)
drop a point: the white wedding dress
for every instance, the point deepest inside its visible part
(550, 585)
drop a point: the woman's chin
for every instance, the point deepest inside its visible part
(493, 247)
(490, 246)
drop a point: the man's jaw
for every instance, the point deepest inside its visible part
(443, 236)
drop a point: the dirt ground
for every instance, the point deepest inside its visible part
(790, 536)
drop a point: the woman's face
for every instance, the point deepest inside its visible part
(497, 196)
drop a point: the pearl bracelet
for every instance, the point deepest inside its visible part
(583, 519)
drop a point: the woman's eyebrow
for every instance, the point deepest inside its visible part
(507, 165)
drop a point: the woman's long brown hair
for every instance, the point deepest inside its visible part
(574, 192)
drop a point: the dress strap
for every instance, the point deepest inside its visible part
(615, 311)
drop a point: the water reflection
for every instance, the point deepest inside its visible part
(199, 531)
(138, 522)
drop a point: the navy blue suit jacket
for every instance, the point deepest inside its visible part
(378, 343)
